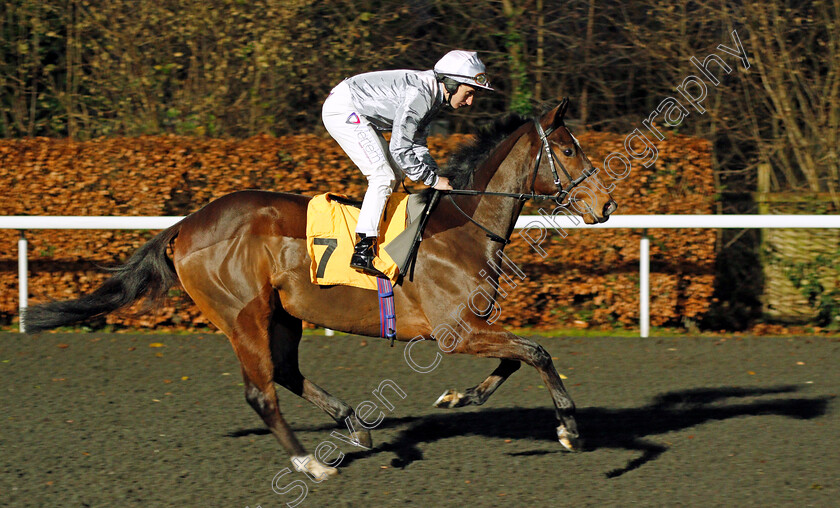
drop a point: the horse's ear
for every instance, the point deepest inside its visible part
(561, 111)
(564, 105)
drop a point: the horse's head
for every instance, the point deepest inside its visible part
(563, 168)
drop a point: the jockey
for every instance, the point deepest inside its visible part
(404, 102)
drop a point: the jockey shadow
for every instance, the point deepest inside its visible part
(678, 410)
(623, 428)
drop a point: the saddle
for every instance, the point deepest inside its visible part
(330, 237)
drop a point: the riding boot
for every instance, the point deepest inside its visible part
(363, 255)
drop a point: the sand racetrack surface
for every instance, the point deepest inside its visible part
(160, 420)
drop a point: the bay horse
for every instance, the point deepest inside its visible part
(243, 260)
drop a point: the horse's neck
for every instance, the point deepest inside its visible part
(505, 171)
(510, 175)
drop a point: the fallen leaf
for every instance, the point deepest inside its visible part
(155, 344)
(62, 345)
(184, 378)
(751, 373)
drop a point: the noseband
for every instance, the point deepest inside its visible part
(563, 192)
(553, 162)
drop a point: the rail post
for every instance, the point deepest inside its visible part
(644, 285)
(23, 283)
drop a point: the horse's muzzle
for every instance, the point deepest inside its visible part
(610, 207)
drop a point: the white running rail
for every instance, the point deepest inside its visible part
(644, 222)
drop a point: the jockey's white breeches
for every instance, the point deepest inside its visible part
(368, 149)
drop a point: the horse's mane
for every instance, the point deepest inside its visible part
(463, 162)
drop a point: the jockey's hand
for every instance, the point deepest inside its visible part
(442, 184)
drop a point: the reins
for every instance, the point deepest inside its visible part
(553, 162)
(493, 236)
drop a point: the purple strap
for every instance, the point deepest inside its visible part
(387, 313)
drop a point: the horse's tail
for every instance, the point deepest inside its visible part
(148, 273)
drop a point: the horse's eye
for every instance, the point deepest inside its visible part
(568, 152)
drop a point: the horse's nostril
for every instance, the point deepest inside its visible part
(610, 207)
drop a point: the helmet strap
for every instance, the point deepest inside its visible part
(451, 87)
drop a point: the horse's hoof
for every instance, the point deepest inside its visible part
(308, 464)
(571, 442)
(449, 399)
(364, 439)
(360, 434)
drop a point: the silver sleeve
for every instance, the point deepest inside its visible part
(408, 140)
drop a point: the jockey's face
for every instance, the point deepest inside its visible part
(462, 97)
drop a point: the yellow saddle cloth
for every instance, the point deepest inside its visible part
(330, 238)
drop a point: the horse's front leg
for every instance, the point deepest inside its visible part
(507, 346)
(478, 395)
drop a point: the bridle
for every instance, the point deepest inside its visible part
(563, 192)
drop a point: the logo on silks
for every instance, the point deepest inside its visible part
(354, 118)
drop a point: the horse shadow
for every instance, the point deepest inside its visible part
(622, 428)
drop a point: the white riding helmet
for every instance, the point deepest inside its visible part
(463, 67)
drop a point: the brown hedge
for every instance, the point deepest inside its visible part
(589, 278)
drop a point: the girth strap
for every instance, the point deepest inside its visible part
(387, 311)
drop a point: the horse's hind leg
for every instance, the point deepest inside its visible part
(247, 327)
(286, 332)
(478, 395)
(260, 395)
(251, 341)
